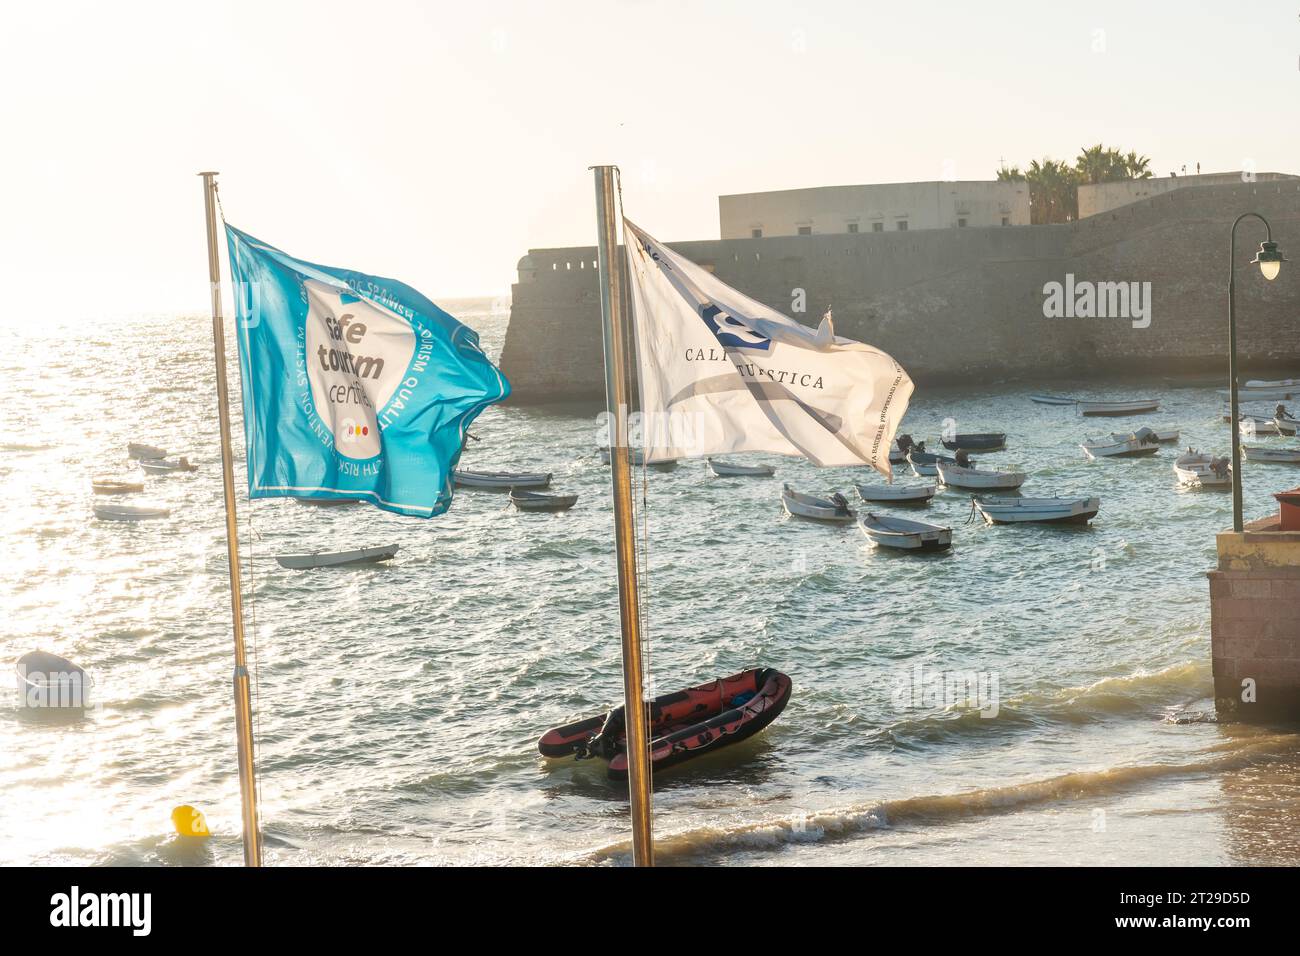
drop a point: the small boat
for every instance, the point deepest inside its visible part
(336, 559)
(140, 452)
(161, 466)
(637, 457)
(887, 531)
(834, 508)
(955, 476)
(1249, 426)
(534, 501)
(110, 486)
(1273, 456)
(977, 441)
(107, 512)
(1053, 400)
(897, 494)
(1054, 510)
(1134, 445)
(898, 449)
(726, 469)
(1116, 409)
(924, 463)
(683, 725)
(1165, 436)
(1203, 471)
(1259, 391)
(500, 480)
(1286, 425)
(48, 682)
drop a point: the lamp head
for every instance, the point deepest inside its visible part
(1270, 260)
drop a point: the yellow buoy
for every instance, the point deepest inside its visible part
(189, 822)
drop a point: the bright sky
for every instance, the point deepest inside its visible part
(436, 143)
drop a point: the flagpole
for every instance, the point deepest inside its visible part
(243, 694)
(616, 401)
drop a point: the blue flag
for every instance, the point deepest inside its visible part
(354, 386)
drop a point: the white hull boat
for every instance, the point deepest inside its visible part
(533, 501)
(886, 531)
(336, 559)
(140, 452)
(924, 463)
(897, 494)
(110, 486)
(500, 480)
(1272, 456)
(1196, 470)
(955, 476)
(1117, 409)
(637, 457)
(1053, 400)
(161, 466)
(108, 512)
(1134, 445)
(1038, 510)
(1250, 426)
(49, 683)
(1262, 391)
(817, 509)
(726, 469)
(1165, 436)
(1285, 425)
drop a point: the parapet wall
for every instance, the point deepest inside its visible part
(958, 306)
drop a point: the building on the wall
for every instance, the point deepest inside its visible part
(883, 207)
(1097, 198)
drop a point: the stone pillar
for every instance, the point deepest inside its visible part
(1255, 623)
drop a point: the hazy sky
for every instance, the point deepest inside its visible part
(437, 142)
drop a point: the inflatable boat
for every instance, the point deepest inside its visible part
(683, 725)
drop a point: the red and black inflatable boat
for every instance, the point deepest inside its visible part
(682, 725)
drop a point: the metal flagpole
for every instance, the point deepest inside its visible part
(243, 695)
(616, 392)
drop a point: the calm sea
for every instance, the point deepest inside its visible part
(398, 707)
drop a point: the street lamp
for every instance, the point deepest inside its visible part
(1270, 264)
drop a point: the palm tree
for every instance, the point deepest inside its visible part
(1053, 192)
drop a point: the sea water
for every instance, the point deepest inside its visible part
(1038, 695)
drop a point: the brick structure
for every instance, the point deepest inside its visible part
(1255, 623)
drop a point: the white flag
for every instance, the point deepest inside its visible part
(721, 372)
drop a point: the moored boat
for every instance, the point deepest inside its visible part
(1116, 409)
(1165, 436)
(1053, 400)
(50, 683)
(535, 501)
(683, 725)
(977, 441)
(115, 512)
(957, 476)
(1250, 426)
(1272, 456)
(499, 480)
(1054, 510)
(1257, 390)
(887, 531)
(111, 486)
(162, 466)
(637, 457)
(897, 494)
(727, 469)
(834, 509)
(1134, 445)
(924, 463)
(1197, 470)
(336, 559)
(1286, 425)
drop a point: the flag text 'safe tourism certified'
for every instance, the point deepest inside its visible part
(355, 386)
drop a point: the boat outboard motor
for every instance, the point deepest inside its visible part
(841, 503)
(904, 442)
(963, 457)
(1146, 436)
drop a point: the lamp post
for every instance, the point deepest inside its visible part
(1270, 261)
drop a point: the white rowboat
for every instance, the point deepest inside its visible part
(1165, 436)
(955, 476)
(533, 501)
(499, 480)
(111, 512)
(1250, 426)
(1272, 456)
(1135, 445)
(897, 494)
(1115, 409)
(1038, 510)
(1203, 471)
(160, 466)
(726, 469)
(110, 486)
(1286, 425)
(336, 559)
(1259, 391)
(637, 457)
(887, 531)
(834, 509)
